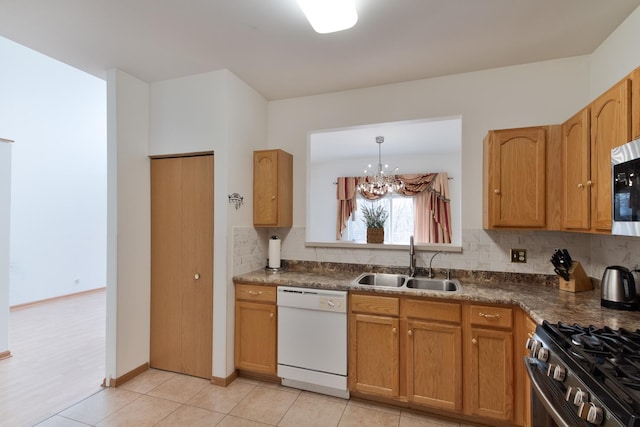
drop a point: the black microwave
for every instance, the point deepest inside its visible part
(625, 180)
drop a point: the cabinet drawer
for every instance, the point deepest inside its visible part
(374, 304)
(484, 315)
(433, 310)
(256, 293)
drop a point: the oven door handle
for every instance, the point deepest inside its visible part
(546, 402)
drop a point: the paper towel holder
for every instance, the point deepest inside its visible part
(269, 268)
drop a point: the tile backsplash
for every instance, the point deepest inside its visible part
(487, 250)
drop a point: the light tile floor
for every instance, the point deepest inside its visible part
(159, 398)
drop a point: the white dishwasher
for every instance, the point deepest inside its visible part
(312, 340)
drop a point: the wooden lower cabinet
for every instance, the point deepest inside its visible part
(434, 365)
(375, 348)
(436, 354)
(256, 329)
(406, 349)
(489, 362)
(529, 328)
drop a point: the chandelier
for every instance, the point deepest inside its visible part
(383, 180)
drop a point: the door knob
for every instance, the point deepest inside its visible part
(196, 276)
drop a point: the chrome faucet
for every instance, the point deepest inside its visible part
(412, 258)
(430, 274)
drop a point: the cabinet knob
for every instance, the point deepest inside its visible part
(410, 332)
(273, 197)
(496, 191)
(394, 330)
(474, 341)
(196, 276)
(589, 183)
(580, 185)
(272, 315)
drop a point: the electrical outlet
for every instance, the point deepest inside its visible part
(518, 255)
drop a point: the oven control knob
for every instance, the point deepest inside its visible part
(530, 342)
(591, 412)
(569, 395)
(543, 354)
(533, 345)
(556, 372)
(580, 397)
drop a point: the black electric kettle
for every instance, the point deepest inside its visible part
(618, 289)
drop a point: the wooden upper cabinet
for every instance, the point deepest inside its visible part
(272, 188)
(610, 127)
(635, 103)
(576, 168)
(514, 172)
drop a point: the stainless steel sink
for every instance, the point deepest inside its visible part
(445, 285)
(387, 280)
(382, 279)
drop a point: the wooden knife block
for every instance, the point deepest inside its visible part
(578, 279)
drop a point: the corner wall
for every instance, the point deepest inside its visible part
(5, 231)
(128, 224)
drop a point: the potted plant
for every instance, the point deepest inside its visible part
(374, 218)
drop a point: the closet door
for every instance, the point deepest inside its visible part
(182, 264)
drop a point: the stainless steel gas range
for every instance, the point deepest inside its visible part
(584, 376)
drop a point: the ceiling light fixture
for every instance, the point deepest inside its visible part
(384, 180)
(329, 16)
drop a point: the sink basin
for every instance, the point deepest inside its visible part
(445, 285)
(381, 279)
(387, 280)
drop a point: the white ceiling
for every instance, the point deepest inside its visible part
(270, 45)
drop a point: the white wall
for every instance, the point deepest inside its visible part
(214, 111)
(128, 224)
(58, 113)
(617, 56)
(5, 232)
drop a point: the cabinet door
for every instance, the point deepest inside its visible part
(256, 334)
(374, 355)
(515, 173)
(610, 127)
(272, 188)
(434, 365)
(635, 104)
(576, 149)
(491, 374)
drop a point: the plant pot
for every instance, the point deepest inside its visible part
(375, 235)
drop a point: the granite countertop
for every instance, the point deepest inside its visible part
(535, 294)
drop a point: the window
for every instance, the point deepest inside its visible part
(399, 225)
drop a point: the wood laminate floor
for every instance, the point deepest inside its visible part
(58, 353)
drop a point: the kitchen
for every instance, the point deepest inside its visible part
(156, 118)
